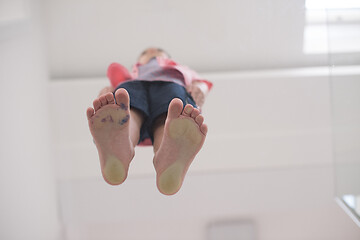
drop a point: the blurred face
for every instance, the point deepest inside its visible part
(150, 53)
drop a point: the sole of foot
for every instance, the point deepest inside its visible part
(109, 125)
(184, 135)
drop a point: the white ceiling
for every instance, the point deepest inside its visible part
(84, 36)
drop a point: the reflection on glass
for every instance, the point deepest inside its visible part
(350, 200)
(339, 26)
(332, 4)
(353, 202)
(343, 32)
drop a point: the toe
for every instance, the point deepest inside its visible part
(188, 110)
(199, 120)
(195, 113)
(89, 112)
(204, 129)
(175, 108)
(122, 98)
(110, 98)
(97, 104)
(103, 100)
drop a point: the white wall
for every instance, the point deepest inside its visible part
(28, 204)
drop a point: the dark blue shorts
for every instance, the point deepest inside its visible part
(152, 98)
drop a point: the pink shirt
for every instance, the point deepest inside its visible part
(188, 74)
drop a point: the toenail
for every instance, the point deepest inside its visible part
(187, 110)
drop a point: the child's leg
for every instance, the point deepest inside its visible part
(116, 131)
(176, 144)
(158, 131)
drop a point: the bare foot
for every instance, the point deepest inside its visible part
(109, 126)
(184, 135)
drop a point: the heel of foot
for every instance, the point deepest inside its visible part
(114, 171)
(170, 180)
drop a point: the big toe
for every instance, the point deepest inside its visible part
(175, 108)
(122, 98)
